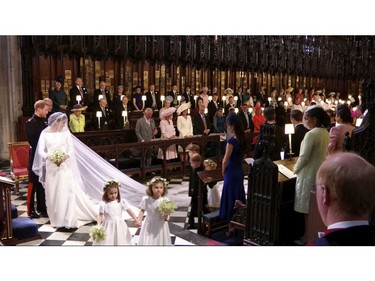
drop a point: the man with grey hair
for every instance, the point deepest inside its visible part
(145, 130)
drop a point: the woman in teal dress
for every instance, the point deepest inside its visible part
(233, 188)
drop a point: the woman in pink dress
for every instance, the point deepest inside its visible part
(168, 132)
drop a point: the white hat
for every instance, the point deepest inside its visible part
(182, 107)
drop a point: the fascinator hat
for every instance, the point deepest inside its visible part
(168, 99)
(78, 107)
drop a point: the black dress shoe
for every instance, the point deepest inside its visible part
(191, 226)
(44, 214)
(34, 215)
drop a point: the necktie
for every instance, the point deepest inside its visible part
(80, 91)
(153, 99)
(204, 122)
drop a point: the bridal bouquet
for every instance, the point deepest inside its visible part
(166, 207)
(57, 157)
(97, 233)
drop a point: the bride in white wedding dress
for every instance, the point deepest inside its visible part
(74, 188)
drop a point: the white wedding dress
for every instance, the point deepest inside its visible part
(75, 188)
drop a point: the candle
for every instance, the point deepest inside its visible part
(195, 97)
(235, 98)
(78, 99)
(100, 97)
(303, 104)
(143, 101)
(289, 130)
(124, 114)
(210, 98)
(250, 110)
(179, 99)
(269, 99)
(99, 115)
(162, 97)
(224, 98)
(279, 99)
(188, 110)
(236, 110)
(205, 110)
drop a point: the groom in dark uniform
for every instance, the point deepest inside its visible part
(33, 128)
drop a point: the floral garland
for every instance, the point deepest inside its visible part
(109, 183)
(157, 179)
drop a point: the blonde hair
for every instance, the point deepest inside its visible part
(154, 181)
(39, 104)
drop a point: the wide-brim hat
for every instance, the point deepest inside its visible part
(318, 91)
(228, 91)
(167, 112)
(183, 107)
(332, 94)
(78, 107)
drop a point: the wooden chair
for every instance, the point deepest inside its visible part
(19, 161)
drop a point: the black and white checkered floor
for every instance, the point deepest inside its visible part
(177, 189)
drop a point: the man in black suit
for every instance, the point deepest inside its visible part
(345, 195)
(261, 97)
(174, 95)
(246, 119)
(202, 125)
(78, 90)
(103, 93)
(213, 105)
(189, 97)
(299, 131)
(240, 97)
(119, 106)
(33, 128)
(106, 120)
(152, 98)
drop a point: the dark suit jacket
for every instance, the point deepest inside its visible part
(240, 100)
(241, 116)
(198, 126)
(148, 102)
(170, 93)
(95, 99)
(75, 92)
(106, 121)
(189, 98)
(33, 128)
(118, 108)
(212, 109)
(363, 235)
(261, 97)
(297, 138)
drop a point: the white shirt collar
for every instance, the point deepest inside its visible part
(347, 224)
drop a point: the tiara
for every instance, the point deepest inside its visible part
(111, 182)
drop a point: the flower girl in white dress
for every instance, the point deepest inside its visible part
(110, 216)
(155, 228)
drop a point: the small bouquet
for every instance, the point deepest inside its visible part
(166, 207)
(57, 157)
(97, 233)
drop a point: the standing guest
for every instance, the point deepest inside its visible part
(299, 131)
(77, 119)
(101, 93)
(33, 128)
(233, 188)
(167, 104)
(344, 125)
(118, 107)
(258, 120)
(168, 132)
(155, 228)
(110, 216)
(279, 142)
(145, 130)
(246, 119)
(78, 90)
(219, 121)
(137, 98)
(213, 105)
(345, 195)
(184, 123)
(189, 97)
(332, 116)
(230, 104)
(204, 96)
(202, 124)
(49, 104)
(196, 164)
(153, 98)
(173, 94)
(313, 152)
(261, 97)
(58, 96)
(240, 97)
(280, 113)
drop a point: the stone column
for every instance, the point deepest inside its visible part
(10, 91)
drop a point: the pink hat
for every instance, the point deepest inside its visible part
(168, 111)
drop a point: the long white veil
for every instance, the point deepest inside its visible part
(89, 169)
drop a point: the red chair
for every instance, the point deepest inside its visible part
(19, 161)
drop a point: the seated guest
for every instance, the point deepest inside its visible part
(118, 109)
(77, 119)
(299, 131)
(344, 125)
(101, 93)
(345, 194)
